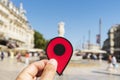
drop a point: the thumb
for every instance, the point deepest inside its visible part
(49, 70)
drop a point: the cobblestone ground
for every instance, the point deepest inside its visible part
(9, 69)
(76, 70)
(89, 70)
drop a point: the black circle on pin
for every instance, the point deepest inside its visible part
(59, 49)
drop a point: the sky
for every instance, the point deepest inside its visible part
(79, 16)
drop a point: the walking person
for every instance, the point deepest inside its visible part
(94, 57)
(8, 54)
(27, 58)
(110, 65)
(2, 55)
(114, 62)
(18, 57)
(89, 56)
(100, 57)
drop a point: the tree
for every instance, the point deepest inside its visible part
(39, 40)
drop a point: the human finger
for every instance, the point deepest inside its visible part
(31, 71)
(49, 70)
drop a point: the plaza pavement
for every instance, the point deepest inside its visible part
(89, 70)
(9, 69)
(76, 70)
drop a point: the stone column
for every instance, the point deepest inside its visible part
(112, 41)
(11, 54)
(61, 30)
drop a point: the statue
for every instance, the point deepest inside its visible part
(61, 30)
(22, 11)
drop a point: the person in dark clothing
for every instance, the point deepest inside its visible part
(2, 55)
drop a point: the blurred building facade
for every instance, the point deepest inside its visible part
(14, 26)
(112, 43)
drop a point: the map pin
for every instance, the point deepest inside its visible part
(60, 49)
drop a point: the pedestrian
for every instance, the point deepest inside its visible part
(100, 57)
(2, 55)
(18, 57)
(110, 65)
(8, 54)
(27, 58)
(114, 63)
(94, 57)
(88, 56)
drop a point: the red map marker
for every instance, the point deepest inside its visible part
(60, 49)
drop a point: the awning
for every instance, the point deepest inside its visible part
(117, 49)
(35, 50)
(99, 51)
(93, 51)
(85, 51)
(3, 47)
(21, 49)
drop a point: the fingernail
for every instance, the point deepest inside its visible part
(53, 62)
